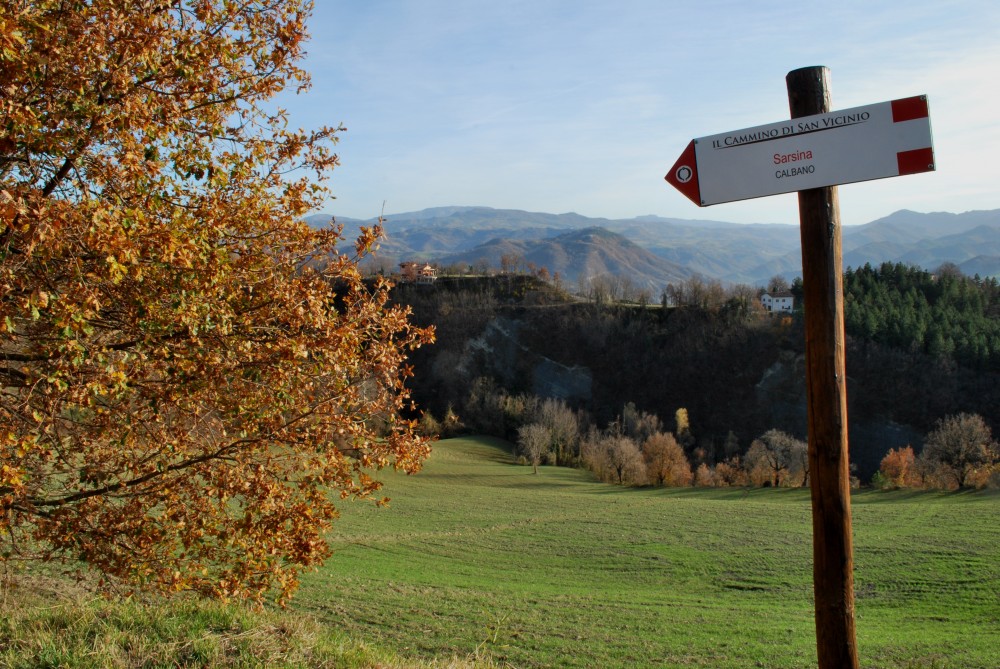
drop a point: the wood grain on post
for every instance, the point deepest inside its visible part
(826, 394)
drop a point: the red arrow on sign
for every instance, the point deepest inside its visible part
(684, 175)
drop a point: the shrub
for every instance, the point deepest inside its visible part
(899, 470)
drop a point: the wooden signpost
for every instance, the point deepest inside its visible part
(811, 155)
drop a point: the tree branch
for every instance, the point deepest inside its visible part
(220, 454)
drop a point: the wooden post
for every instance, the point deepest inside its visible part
(826, 393)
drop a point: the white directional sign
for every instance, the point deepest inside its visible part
(887, 139)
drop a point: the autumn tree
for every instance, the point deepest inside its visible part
(704, 477)
(774, 456)
(959, 448)
(511, 263)
(666, 463)
(683, 431)
(730, 473)
(898, 468)
(624, 459)
(428, 425)
(191, 376)
(613, 457)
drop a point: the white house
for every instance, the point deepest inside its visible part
(778, 303)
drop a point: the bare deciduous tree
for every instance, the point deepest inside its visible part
(534, 440)
(639, 425)
(959, 447)
(563, 427)
(625, 460)
(772, 456)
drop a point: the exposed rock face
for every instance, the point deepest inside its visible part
(552, 379)
(499, 353)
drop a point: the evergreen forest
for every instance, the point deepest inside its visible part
(945, 315)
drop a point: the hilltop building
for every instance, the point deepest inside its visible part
(413, 272)
(780, 302)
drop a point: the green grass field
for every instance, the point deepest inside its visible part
(478, 557)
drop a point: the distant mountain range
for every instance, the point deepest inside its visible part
(653, 251)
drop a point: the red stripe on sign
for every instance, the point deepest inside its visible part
(908, 109)
(916, 161)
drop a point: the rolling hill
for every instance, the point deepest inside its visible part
(586, 253)
(652, 250)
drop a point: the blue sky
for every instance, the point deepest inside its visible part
(557, 106)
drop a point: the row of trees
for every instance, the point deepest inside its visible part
(959, 453)
(636, 449)
(633, 449)
(774, 459)
(740, 299)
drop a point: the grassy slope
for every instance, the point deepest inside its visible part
(50, 622)
(479, 556)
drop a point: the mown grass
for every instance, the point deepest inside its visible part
(479, 563)
(478, 557)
